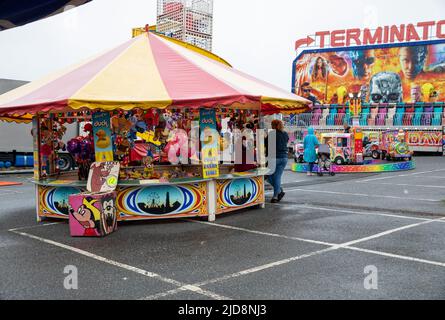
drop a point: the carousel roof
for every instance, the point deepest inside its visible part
(149, 71)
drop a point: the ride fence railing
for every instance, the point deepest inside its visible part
(424, 119)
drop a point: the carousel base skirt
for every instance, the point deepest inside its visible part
(371, 166)
(150, 202)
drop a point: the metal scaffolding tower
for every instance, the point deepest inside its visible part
(190, 21)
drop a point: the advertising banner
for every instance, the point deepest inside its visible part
(209, 143)
(35, 140)
(102, 137)
(381, 74)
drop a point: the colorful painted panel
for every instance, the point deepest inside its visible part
(92, 215)
(157, 202)
(369, 167)
(383, 74)
(240, 193)
(54, 201)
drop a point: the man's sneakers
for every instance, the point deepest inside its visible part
(280, 197)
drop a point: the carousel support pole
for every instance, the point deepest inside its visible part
(211, 200)
(37, 162)
(39, 219)
(263, 204)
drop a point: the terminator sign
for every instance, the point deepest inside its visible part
(386, 65)
(421, 31)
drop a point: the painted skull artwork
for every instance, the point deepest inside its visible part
(109, 219)
(386, 87)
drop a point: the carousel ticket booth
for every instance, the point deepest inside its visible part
(152, 105)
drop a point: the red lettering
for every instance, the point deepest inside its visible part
(414, 138)
(411, 33)
(439, 33)
(398, 33)
(372, 39)
(338, 38)
(426, 28)
(437, 138)
(322, 36)
(353, 34)
(386, 36)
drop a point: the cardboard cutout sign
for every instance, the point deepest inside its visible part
(103, 177)
(94, 213)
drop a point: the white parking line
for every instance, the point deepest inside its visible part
(266, 266)
(224, 226)
(7, 193)
(127, 267)
(404, 185)
(366, 213)
(397, 256)
(385, 233)
(402, 175)
(347, 245)
(164, 294)
(356, 195)
(36, 226)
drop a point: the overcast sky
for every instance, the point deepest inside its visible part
(255, 36)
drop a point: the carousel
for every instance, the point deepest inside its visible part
(146, 105)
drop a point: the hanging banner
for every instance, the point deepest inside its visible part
(209, 143)
(102, 137)
(36, 147)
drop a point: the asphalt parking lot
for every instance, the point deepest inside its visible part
(316, 244)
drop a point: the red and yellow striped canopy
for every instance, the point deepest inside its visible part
(149, 71)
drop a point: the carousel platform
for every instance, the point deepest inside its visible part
(370, 166)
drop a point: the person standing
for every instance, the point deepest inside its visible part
(280, 160)
(310, 154)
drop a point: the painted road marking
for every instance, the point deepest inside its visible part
(397, 256)
(9, 193)
(402, 175)
(367, 213)
(164, 294)
(385, 233)
(403, 185)
(36, 226)
(127, 267)
(334, 247)
(266, 266)
(224, 226)
(356, 194)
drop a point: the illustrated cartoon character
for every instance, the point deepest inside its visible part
(88, 216)
(103, 141)
(109, 219)
(101, 172)
(149, 137)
